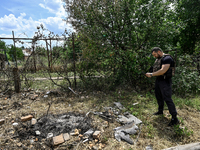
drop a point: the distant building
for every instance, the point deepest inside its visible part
(27, 53)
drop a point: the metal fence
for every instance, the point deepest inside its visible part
(48, 63)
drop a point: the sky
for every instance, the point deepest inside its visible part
(23, 17)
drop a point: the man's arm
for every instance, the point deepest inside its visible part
(162, 71)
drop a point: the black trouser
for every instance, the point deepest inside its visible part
(163, 92)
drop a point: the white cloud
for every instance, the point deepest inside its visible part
(26, 27)
(18, 24)
(55, 7)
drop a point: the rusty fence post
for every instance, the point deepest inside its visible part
(17, 81)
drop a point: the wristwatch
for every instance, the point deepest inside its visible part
(151, 74)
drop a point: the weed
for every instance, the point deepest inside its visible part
(150, 132)
(182, 132)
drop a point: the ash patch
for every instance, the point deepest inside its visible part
(56, 124)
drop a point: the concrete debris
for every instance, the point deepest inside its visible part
(122, 133)
(129, 128)
(119, 105)
(108, 116)
(191, 146)
(66, 136)
(149, 147)
(88, 133)
(37, 132)
(128, 118)
(122, 136)
(33, 121)
(113, 110)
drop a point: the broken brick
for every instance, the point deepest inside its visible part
(2, 121)
(19, 144)
(34, 97)
(80, 135)
(58, 140)
(66, 136)
(96, 134)
(26, 118)
(96, 140)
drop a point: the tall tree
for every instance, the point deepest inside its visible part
(188, 18)
(2, 44)
(121, 32)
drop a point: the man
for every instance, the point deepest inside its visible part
(163, 69)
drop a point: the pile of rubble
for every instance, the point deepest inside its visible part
(55, 130)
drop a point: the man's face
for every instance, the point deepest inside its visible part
(157, 54)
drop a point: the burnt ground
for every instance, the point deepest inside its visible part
(66, 108)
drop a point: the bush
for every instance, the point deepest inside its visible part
(186, 79)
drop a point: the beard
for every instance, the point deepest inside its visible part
(159, 56)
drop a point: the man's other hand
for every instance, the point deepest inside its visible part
(148, 75)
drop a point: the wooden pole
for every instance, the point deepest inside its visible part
(15, 70)
(74, 59)
(34, 62)
(48, 54)
(17, 81)
(14, 49)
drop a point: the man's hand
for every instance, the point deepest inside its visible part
(148, 74)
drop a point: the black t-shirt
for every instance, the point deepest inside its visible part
(166, 60)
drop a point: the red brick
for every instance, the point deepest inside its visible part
(58, 140)
(26, 118)
(34, 97)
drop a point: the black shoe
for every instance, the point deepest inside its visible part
(158, 113)
(173, 122)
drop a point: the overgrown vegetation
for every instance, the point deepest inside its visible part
(112, 46)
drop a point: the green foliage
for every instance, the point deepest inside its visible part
(116, 37)
(188, 23)
(2, 44)
(186, 80)
(11, 52)
(40, 51)
(76, 44)
(182, 131)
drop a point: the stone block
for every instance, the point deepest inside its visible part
(58, 140)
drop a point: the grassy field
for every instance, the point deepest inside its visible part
(154, 130)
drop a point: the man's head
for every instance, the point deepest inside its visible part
(157, 52)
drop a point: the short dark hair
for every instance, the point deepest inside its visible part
(156, 49)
